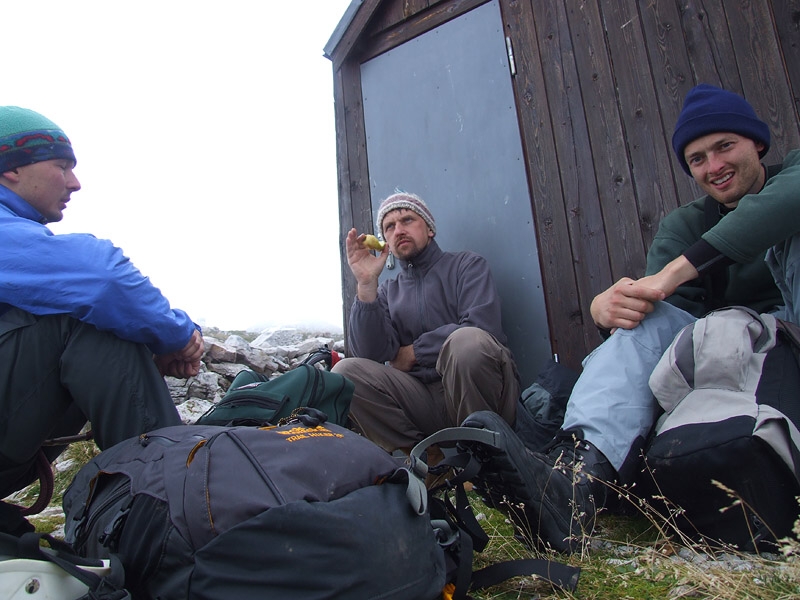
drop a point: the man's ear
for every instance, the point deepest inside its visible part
(12, 175)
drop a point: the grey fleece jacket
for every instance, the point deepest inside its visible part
(430, 298)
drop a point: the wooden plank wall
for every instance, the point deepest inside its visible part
(599, 86)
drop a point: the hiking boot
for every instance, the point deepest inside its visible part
(553, 496)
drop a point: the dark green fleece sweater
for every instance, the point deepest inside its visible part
(759, 222)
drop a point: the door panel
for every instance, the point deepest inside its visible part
(441, 122)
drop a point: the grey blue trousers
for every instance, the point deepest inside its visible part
(612, 403)
(396, 410)
(57, 373)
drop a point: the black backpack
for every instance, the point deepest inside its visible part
(725, 454)
(305, 510)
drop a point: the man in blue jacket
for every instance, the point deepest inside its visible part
(429, 343)
(84, 336)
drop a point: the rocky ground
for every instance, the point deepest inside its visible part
(272, 352)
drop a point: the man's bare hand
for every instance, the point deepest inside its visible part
(674, 274)
(624, 304)
(405, 359)
(185, 362)
(365, 265)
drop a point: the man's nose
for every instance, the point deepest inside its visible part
(73, 183)
(715, 162)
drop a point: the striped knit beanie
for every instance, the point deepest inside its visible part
(708, 109)
(26, 137)
(408, 201)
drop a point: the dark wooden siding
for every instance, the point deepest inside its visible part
(599, 86)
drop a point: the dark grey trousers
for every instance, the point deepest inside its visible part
(57, 373)
(396, 410)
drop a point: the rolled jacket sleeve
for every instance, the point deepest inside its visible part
(761, 220)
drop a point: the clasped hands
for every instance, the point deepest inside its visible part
(185, 362)
(626, 303)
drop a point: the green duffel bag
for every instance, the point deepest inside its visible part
(255, 400)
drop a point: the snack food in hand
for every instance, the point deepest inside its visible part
(370, 241)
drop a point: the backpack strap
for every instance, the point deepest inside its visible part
(418, 469)
(44, 472)
(466, 533)
(59, 553)
(559, 574)
(451, 435)
(791, 333)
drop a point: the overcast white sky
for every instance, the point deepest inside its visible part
(205, 139)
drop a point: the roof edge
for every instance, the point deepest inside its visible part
(344, 23)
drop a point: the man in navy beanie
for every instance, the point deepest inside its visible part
(84, 336)
(730, 247)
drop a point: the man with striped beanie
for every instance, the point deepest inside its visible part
(84, 336)
(428, 345)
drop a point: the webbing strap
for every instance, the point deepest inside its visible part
(457, 434)
(463, 578)
(792, 333)
(465, 518)
(60, 553)
(473, 537)
(452, 435)
(793, 450)
(559, 574)
(416, 492)
(46, 485)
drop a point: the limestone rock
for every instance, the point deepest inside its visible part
(271, 353)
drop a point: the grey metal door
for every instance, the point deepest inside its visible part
(441, 122)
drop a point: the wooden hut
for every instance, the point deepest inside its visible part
(538, 131)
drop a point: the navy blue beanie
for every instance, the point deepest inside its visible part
(708, 109)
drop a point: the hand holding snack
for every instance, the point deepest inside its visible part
(370, 241)
(365, 265)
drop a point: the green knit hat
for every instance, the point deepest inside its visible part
(26, 137)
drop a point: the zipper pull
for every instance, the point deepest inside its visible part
(112, 530)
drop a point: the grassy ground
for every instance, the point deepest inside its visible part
(630, 557)
(633, 557)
